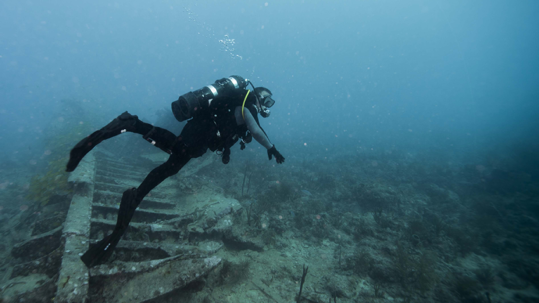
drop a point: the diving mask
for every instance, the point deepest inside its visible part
(265, 102)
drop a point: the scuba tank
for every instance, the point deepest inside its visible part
(188, 105)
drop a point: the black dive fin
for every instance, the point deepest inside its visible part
(124, 122)
(99, 253)
(82, 148)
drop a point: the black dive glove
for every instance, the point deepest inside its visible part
(273, 152)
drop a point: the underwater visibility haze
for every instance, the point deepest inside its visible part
(403, 151)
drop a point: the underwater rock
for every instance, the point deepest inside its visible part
(381, 274)
(47, 265)
(142, 281)
(38, 246)
(237, 238)
(31, 289)
(216, 222)
(306, 192)
(335, 285)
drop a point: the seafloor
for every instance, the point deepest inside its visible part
(370, 226)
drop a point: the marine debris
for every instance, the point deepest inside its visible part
(304, 274)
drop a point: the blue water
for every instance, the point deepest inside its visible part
(366, 92)
(347, 76)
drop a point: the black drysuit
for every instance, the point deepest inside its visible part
(216, 128)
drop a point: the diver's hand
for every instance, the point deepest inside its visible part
(273, 152)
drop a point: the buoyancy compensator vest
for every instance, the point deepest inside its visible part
(218, 102)
(223, 115)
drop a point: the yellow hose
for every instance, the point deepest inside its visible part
(243, 105)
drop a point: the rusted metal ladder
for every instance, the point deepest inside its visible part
(149, 261)
(166, 247)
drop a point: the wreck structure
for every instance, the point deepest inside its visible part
(168, 248)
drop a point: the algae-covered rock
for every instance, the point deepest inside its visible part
(143, 281)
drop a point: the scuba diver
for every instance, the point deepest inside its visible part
(220, 115)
